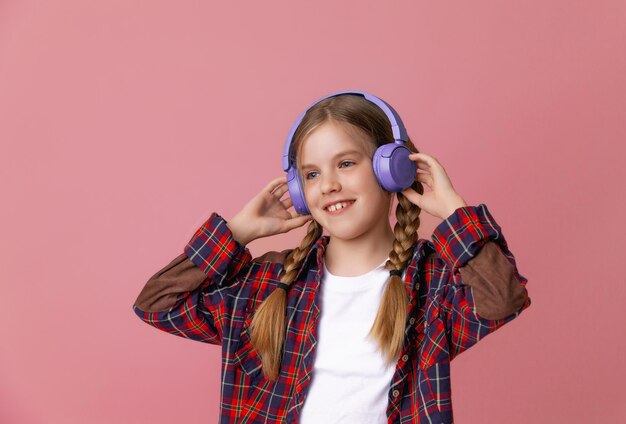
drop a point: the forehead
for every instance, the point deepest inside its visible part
(330, 138)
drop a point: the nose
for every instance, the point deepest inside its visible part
(330, 183)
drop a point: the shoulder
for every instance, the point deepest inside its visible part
(273, 256)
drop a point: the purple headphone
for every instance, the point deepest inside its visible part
(393, 169)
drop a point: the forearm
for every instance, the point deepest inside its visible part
(453, 205)
(240, 233)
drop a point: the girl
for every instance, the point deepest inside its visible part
(358, 325)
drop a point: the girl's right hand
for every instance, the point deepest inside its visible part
(266, 215)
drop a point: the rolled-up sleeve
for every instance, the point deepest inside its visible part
(479, 288)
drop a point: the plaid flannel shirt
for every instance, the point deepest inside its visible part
(442, 319)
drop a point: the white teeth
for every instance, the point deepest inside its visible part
(338, 206)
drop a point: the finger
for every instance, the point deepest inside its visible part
(424, 166)
(294, 214)
(432, 164)
(423, 156)
(287, 203)
(276, 182)
(413, 196)
(296, 222)
(425, 178)
(280, 190)
(423, 159)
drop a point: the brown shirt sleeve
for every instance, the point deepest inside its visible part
(494, 281)
(162, 289)
(182, 275)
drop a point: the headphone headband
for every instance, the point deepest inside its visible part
(397, 127)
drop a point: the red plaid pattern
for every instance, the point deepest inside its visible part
(442, 320)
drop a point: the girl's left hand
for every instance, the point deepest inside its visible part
(442, 200)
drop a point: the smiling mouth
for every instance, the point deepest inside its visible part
(338, 208)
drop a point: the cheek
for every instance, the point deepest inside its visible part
(310, 197)
(380, 195)
(369, 182)
(308, 194)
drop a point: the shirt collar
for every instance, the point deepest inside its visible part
(316, 253)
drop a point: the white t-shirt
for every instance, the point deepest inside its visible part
(350, 381)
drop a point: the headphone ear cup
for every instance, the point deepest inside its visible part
(394, 170)
(296, 192)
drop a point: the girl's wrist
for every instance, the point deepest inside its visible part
(238, 232)
(458, 203)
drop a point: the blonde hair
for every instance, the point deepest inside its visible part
(267, 331)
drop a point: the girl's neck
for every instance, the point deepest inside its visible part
(358, 256)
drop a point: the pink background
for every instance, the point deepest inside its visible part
(123, 125)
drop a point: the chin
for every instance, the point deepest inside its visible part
(344, 232)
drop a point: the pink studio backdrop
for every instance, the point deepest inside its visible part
(123, 125)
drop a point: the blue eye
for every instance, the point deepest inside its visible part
(349, 162)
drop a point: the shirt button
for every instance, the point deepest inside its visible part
(396, 393)
(405, 358)
(412, 320)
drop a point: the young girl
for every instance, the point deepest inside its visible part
(356, 326)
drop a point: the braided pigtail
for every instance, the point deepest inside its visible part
(268, 327)
(390, 321)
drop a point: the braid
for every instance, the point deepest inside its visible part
(296, 256)
(388, 327)
(267, 330)
(405, 230)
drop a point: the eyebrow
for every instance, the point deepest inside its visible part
(344, 153)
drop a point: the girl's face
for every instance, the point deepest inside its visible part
(336, 166)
